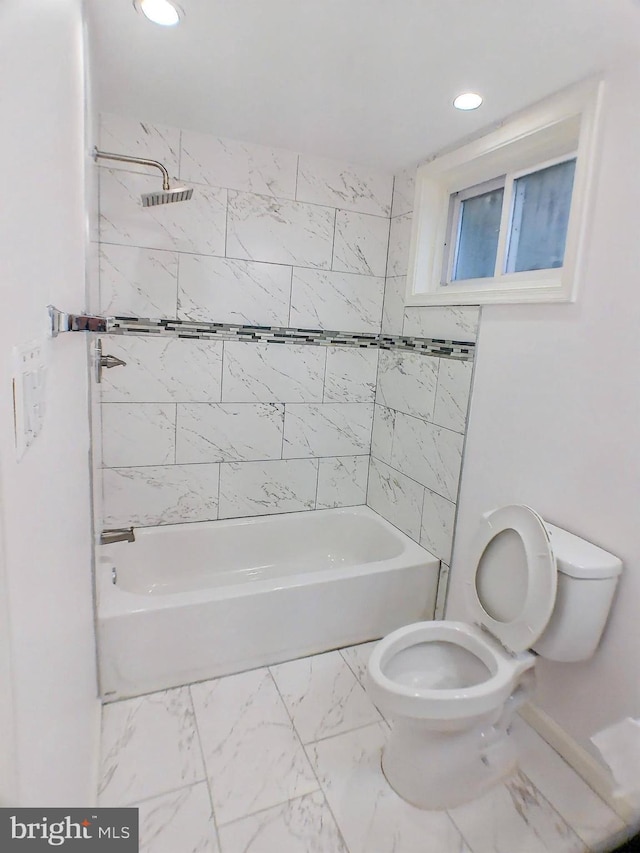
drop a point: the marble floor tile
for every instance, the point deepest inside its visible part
(371, 817)
(323, 696)
(303, 825)
(590, 818)
(358, 657)
(149, 747)
(179, 821)
(515, 818)
(253, 756)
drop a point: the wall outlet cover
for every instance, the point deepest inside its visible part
(29, 392)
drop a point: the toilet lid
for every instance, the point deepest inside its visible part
(511, 587)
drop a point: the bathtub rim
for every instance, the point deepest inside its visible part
(115, 601)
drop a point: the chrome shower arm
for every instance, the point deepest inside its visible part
(141, 161)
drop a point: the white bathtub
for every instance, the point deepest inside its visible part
(195, 601)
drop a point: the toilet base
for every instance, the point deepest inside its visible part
(440, 770)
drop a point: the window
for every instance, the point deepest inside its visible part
(502, 219)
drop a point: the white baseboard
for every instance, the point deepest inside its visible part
(594, 774)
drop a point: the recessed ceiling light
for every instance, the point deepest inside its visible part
(467, 101)
(159, 11)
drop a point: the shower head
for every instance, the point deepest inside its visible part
(164, 196)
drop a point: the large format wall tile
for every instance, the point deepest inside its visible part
(427, 453)
(342, 481)
(271, 373)
(330, 429)
(436, 532)
(236, 165)
(336, 301)
(138, 282)
(281, 232)
(253, 758)
(270, 238)
(228, 432)
(166, 494)
(262, 488)
(138, 434)
(404, 185)
(361, 243)
(407, 382)
(384, 420)
(451, 322)
(121, 135)
(395, 497)
(224, 290)
(197, 225)
(350, 375)
(393, 306)
(162, 370)
(452, 396)
(399, 240)
(335, 184)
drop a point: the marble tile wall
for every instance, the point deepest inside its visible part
(421, 403)
(195, 430)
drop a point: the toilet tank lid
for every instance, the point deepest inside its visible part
(578, 558)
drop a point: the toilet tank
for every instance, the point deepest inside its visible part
(587, 579)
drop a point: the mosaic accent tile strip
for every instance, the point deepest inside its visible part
(461, 350)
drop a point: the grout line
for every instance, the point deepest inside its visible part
(175, 436)
(310, 763)
(245, 461)
(162, 793)
(284, 803)
(177, 283)
(284, 415)
(226, 222)
(333, 244)
(424, 494)
(417, 482)
(204, 764)
(233, 258)
(315, 503)
(267, 196)
(324, 377)
(290, 299)
(352, 730)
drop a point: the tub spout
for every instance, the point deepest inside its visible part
(118, 534)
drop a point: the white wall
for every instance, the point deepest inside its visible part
(45, 498)
(555, 423)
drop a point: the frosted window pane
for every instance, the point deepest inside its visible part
(478, 236)
(541, 204)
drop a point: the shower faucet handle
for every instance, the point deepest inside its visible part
(108, 361)
(111, 361)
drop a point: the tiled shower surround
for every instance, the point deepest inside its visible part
(202, 429)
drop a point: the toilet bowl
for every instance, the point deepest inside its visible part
(451, 688)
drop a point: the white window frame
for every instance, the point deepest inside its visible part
(559, 129)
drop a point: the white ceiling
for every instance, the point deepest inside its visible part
(367, 81)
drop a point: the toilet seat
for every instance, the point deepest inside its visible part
(538, 568)
(506, 656)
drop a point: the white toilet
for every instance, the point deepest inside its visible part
(452, 688)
